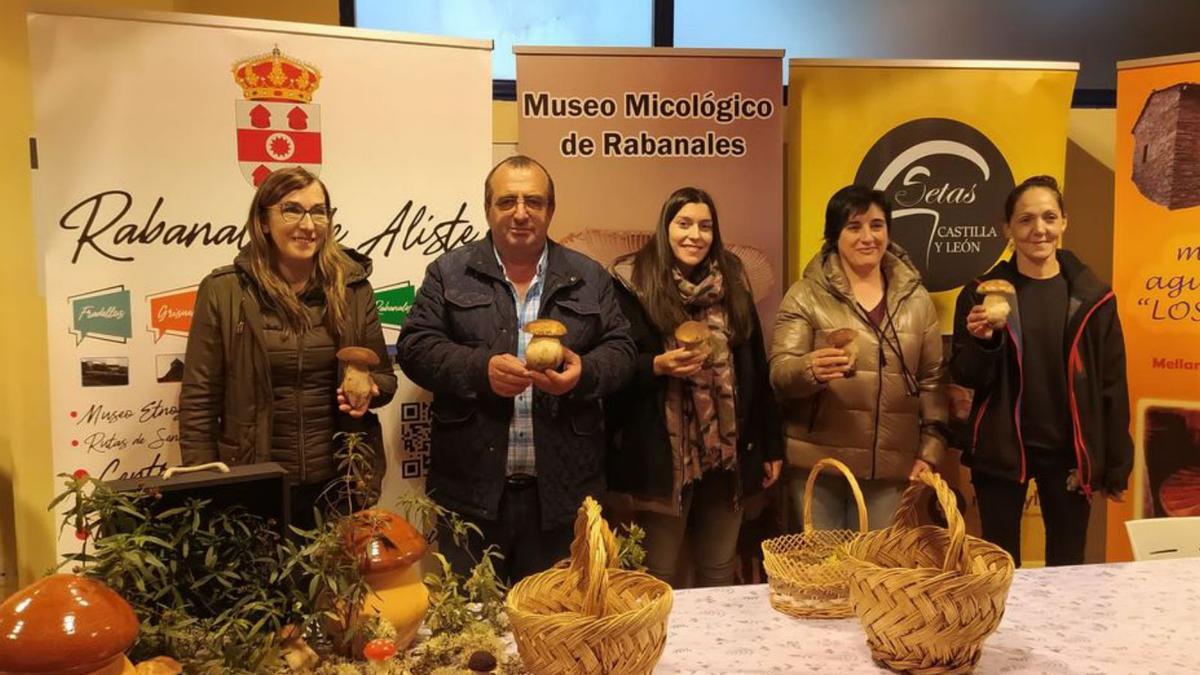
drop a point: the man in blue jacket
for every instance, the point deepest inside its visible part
(513, 449)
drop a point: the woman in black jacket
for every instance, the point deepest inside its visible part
(1050, 397)
(697, 430)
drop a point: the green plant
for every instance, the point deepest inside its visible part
(456, 602)
(630, 552)
(190, 574)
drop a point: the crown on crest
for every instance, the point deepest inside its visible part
(276, 77)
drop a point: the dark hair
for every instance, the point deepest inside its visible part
(1048, 182)
(652, 266)
(517, 162)
(849, 202)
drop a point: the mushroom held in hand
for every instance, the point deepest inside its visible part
(845, 340)
(357, 382)
(693, 335)
(545, 350)
(995, 300)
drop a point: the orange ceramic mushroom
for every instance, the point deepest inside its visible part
(66, 625)
(357, 382)
(388, 548)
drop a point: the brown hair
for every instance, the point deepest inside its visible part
(331, 263)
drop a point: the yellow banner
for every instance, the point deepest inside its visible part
(1156, 276)
(946, 140)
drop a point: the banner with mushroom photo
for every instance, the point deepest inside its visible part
(152, 131)
(1156, 277)
(621, 129)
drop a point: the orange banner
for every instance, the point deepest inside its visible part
(1156, 275)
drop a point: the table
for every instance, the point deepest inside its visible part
(1114, 618)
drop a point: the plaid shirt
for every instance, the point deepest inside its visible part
(520, 432)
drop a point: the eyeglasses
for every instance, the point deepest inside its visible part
(292, 213)
(534, 203)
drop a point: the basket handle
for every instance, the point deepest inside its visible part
(593, 551)
(830, 462)
(906, 516)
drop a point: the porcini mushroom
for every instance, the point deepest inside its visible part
(845, 339)
(545, 350)
(995, 300)
(357, 382)
(66, 624)
(387, 548)
(692, 335)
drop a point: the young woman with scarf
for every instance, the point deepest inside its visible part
(697, 430)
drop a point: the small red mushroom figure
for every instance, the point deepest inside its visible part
(380, 649)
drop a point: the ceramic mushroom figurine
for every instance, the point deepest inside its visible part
(357, 382)
(995, 300)
(65, 624)
(694, 336)
(845, 339)
(545, 350)
(388, 548)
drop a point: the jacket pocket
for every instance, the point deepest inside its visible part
(470, 316)
(236, 444)
(587, 420)
(582, 320)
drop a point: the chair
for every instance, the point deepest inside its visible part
(1162, 538)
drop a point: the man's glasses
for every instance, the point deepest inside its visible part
(532, 203)
(292, 213)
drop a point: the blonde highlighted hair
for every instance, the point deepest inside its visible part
(332, 262)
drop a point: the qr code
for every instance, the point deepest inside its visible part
(414, 439)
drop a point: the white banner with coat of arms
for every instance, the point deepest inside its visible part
(152, 131)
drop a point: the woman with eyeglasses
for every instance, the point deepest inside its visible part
(697, 431)
(855, 361)
(261, 376)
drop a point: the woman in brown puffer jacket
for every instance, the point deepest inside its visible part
(875, 403)
(261, 376)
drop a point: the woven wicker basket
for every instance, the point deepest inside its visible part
(590, 617)
(927, 596)
(806, 577)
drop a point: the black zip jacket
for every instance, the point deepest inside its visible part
(1098, 397)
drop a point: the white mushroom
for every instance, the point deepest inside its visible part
(995, 300)
(545, 350)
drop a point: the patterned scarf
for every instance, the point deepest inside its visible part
(701, 415)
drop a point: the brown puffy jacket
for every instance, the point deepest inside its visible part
(880, 420)
(226, 404)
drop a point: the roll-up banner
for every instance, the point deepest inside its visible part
(152, 131)
(946, 141)
(1156, 276)
(621, 129)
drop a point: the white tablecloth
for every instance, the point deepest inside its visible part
(1116, 618)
